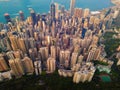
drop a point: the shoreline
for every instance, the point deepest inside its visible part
(116, 2)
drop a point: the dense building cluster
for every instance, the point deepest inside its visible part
(63, 40)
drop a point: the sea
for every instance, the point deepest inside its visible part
(43, 6)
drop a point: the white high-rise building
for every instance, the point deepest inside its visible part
(86, 12)
(53, 52)
(38, 68)
(74, 59)
(57, 10)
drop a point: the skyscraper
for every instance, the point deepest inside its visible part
(33, 15)
(16, 67)
(3, 64)
(51, 65)
(14, 42)
(7, 17)
(21, 42)
(38, 67)
(28, 65)
(74, 59)
(72, 5)
(86, 12)
(52, 11)
(56, 10)
(53, 52)
(62, 57)
(21, 15)
(78, 12)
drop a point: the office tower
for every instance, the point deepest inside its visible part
(62, 57)
(51, 65)
(7, 17)
(76, 77)
(97, 54)
(3, 64)
(116, 13)
(96, 21)
(52, 11)
(22, 18)
(77, 67)
(38, 17)
(35, 52)
(65, 41)
(30, 31)
(10, 55)
(83, 76)
(78, 12)
(74, 41)
(109, 23)
(72, 5)
(83, 43)
(29, 20)
(56, 10)
(48, 39)
(16, 67)
(62, 9)
(86, 23)
(46, 53)
(53, 29)
(90, 76)
(80, 59)
(42, 54)
(27, 65)
(38, 67)
(74, 59)
(86, 12)
(57, 52)
(92, 18)
(36, 36)
(95, 40)
(21, 43)
(53, 52)
(26, 41)
(67, 55)
(18, 54)
(66, 63)
(88, 34)
(33, 16)
(31, 42)
(91, 54)
(32, 54)
(77, 48)
(83, 32)
(14, 42)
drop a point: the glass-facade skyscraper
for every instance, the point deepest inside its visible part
(72, 5)
(52, 11)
